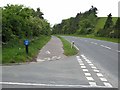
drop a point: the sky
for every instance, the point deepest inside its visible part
(57, 10)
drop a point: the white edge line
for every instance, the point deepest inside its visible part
(76, 47)
(36, 84)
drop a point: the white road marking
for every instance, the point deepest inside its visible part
(91, 64)
(95, 70)
(50, 85)
(87, 74)
(105, 46)
(48, 58)
(103, 79)
(81, 63)
(83, 66)
(117, 51)
(85, 70)
(48, 52)
(58, 57)
(90, 78)
(107, 84)
(76, 47)
(99, 75)
(92, 83)
(78, 57)
(40, 60)
(93, 67)
(94, 43)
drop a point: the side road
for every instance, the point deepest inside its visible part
(53, 50)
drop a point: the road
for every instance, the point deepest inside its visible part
(104, 54)
(96, 65)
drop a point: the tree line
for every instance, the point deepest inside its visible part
(20, 22)
(84, 24)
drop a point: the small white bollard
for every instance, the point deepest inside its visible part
(72, 44)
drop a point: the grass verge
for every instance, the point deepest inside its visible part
(68, 51)
(115, 40)
(17, 54)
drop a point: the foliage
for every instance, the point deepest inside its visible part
(15, 51)
(83, 23)
(68, 51)
(20, 22)
(88, 23)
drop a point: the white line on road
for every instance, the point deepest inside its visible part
(105, 46)
(99, 75)
(76, 47)
(92, 83)
(90, 78)
(95, 70)
(78, 57)
(103, 79)
(93, 67)
(107, 84)
(117, 51)
(48, 52)
(50, 85)
(85, 70)
(91, 64)
(83, 66)
(87, 74)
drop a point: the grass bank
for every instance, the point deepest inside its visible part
(68, 51)
(14, 52)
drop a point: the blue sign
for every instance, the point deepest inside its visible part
(26, 42)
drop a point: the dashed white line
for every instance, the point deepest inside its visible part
(92, 83)
(78, 57)
(83, 66)
(105, 46)
(95, 70)
(99, 74)
(107, 84)
(87, 74)
(91, 64)
(90, 78)
(103, 79)
(85, 70)
(48, 52)
(81, 63)
(93, 67)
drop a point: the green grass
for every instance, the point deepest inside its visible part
(116, 40)
(102, 38)
(17, 54)
(101, 22)
(68, 51)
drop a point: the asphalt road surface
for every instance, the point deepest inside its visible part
(96, 65)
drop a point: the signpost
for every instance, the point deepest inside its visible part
(26, 43)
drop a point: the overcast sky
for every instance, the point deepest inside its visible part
(56, 10)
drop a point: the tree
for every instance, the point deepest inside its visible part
(107, 29)
(39, 13)
(22, 22)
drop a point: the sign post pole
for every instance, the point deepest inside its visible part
(26, 43)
